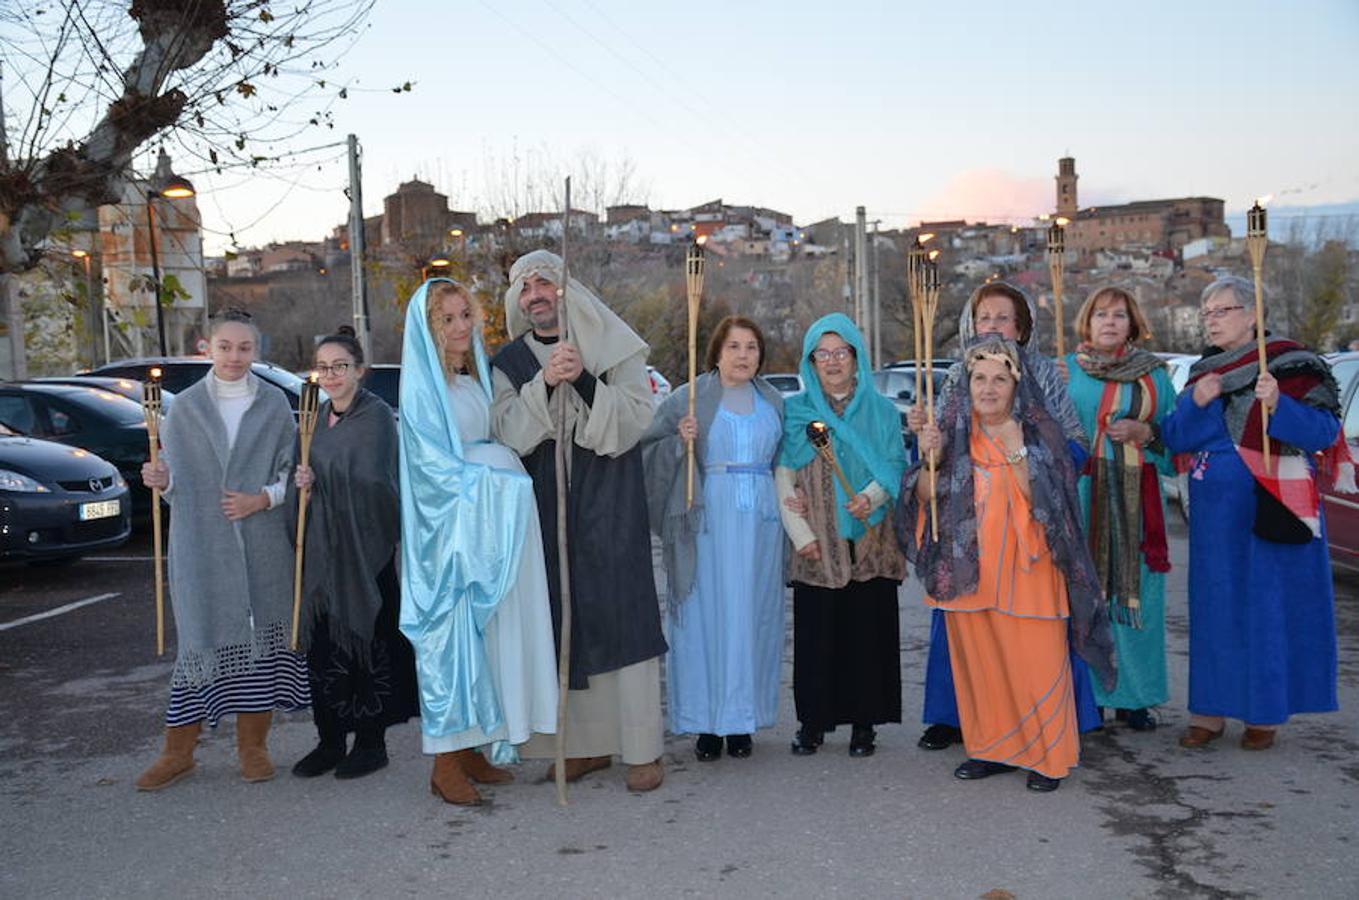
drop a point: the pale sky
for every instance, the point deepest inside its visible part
(914, 110)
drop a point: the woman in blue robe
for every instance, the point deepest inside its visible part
(1122, 393)
(1261, 608)
(473, 583)
(723, 554)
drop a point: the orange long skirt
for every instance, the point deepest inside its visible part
(1013, 680)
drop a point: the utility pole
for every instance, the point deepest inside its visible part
(356, 279)
(876, 301)
(9, 291)
(863, 313)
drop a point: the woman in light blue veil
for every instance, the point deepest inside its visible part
(473, 584)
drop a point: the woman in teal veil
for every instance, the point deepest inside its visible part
(473, 585)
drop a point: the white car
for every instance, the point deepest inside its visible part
(660, 387)
(1175, 488)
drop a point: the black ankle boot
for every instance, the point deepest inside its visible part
(369, 755)
(325, 757)
(739, 746)
(708, 747)
(861, 741)
(940, 737)
(807, 741)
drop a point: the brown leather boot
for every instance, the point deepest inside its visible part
(646, 777)
(251, 731)
(578, 767)
(449, 782)
(475, 766)
(175, 761)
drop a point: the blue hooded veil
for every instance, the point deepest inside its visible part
(462, 529)
(867, 438)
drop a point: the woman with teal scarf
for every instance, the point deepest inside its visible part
(473, 583)
(846, 567)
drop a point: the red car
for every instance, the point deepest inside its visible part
(1342, 510)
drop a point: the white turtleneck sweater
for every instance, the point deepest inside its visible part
(233, 398)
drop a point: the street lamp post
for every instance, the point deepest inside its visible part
(173, 187)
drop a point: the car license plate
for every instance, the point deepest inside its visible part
(99, 510)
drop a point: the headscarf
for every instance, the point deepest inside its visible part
(949, 567)
(462, 530)
(602, 338)
(866, 438)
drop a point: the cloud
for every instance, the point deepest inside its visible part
(992, 195)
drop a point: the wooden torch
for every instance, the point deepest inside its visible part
(1057, 267)
(929, 309)
(1257, 239)
(306, 430)
(693, 283)
(152, 409)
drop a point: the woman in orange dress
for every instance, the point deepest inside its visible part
(1010, 569)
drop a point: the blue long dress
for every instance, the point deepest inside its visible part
(1141, 652)
(1261, 614)
(726, 638)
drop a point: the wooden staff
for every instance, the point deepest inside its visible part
(929, 308)
(563, 545)
(1057, 267)
(1257, 239)
(693, 284)
(152, 408)
(306, 429)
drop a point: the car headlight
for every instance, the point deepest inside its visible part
(118, 479)
(13, 481)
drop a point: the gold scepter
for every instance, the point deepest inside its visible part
(306, 428)
(693, 283)
(1257, 239)
(1056, 267)
(929, 308)
(152, 408)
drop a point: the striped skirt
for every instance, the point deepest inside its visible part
(278, 681)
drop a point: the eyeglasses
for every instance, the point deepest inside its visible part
(1218, 313)
(839, 354)
(339, 368)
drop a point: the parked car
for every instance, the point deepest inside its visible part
(180, 372)
(130, 388)
(896, 382)
(384, 379)
(57, 502)
(103, 423)
(1342, 510)
(786, 383)
(660, 385)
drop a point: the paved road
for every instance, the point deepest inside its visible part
(81, 695)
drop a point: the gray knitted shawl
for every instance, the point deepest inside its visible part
(664, 458)
(230, 582)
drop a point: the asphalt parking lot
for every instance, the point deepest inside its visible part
(82, 693)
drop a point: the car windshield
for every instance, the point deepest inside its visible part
(281, 377)
(113, 405)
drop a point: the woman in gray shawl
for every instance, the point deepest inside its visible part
(224, 471)
(724, 555)
(361, 667)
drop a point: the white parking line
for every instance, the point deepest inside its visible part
(116, 558)
(37, 617)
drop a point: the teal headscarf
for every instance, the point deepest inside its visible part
(867, 438)
(462, 530)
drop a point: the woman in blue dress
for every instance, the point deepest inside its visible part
(724, 554)
(1122, 393)
(1261, 603)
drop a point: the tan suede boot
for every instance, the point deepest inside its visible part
(175, 761)
(645, 777)
(252, 729)
(580, 766)
(479, 770)
(449, 782)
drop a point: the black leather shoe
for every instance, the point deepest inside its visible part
(1141, 720)
(807, 741)
(1041, 783)
(708, 747)
(974, 769)
(362, 760)
(739, 746)
(940, 737)
(861, 741)
(319, 761)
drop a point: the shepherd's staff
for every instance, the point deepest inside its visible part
(929, 308)
(819, 436)
(1257, 239)
(563, 560)
(1056, 268)
(152, 407)
(306, 429)
(693, 284)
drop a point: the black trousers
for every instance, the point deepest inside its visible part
(846, 654)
